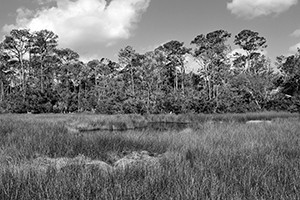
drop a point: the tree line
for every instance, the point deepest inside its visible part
(37, 76)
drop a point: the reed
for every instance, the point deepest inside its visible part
(229, 160)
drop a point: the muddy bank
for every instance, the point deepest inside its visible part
(123, 124)
(134, 160)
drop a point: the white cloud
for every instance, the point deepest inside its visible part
(236, 51)
(42, 2)
(233, 53)
(192, 64)
(23, 15)
(84, 25)
(293, 49)
(152, 46)
(296, 33)
(254, 8)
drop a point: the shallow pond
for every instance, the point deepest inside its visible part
(165, 126)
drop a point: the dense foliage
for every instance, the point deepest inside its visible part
(37, 76)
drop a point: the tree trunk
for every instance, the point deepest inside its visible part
(1, 91)
(41, 79)
(248, 63)
(132, 81)
(22, 77)
(176, 80)
(183, 76)
(148, 95)
(255, 100)
(209, 89)
(216, 98)
(97, 86)
(148, 101)
(78, 96)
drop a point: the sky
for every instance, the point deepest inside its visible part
(100, 28)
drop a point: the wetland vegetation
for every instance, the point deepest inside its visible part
(229, 160)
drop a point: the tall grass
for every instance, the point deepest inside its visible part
(227, 117)
(211, 161)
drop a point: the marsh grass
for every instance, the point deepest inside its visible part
(227, 160)
(227, 117)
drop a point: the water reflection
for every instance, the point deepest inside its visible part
(164, 126)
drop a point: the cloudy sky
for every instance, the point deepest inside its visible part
(99, 28)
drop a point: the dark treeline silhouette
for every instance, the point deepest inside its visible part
(37, 76)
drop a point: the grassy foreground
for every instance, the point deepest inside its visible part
(211, 161)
